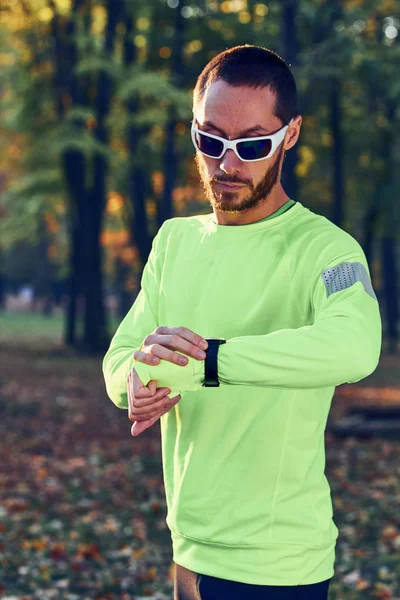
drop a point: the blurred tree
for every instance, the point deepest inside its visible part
(290, 54)
(101, 94)
(151, 98)
(85, 177)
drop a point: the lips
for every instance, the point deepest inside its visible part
(230, 185)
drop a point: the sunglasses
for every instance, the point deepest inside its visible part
(248, 149)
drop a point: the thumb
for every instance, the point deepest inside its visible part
(138, 384)
(152, 386)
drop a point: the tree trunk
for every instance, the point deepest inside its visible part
(391, 291)
(2, 293)
(95, 336)
(70, 89)
(337, 153)
(290, 53)
(70, 323)
(171, 157)
(137, 185)
(390, 271)
(74, 172)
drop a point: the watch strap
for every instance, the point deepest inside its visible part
(211, 362)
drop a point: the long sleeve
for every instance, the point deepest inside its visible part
(342, 345)
(140, 321)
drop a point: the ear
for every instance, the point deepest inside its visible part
(292, 134)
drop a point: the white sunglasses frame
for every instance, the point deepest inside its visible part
(276, 138)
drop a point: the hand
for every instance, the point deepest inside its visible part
(146, 404)
(164, 340)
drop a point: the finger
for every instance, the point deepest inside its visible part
(167, 349)
(132, 384)
(137, 398)
(183, 332)
(140, 394)
(158, 409)
(144, 391)
(149, 411)
(130, 394)
(148, 401)
(175, 338)
(138, 383)
(146, 357)
(141, 411)
(139, 426)
(152, 386)
(179, 343)
(171, 403)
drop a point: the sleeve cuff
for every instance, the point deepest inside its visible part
(178, 379)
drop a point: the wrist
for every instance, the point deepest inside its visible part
(186, 379)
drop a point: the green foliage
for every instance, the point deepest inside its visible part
(24, 202)
(80, 113)
(65, 137)
(153, 86)
(95, 65)
(340, 45)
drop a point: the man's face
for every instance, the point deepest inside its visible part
(234, 110)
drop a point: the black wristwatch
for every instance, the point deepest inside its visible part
(211, 362)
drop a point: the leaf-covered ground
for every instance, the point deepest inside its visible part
(82, 502)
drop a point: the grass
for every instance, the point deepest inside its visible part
(23, 325)
(26, 324)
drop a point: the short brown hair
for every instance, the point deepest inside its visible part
(255, 67)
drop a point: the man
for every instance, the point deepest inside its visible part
(284, 299)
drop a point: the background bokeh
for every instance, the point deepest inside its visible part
(95, 154)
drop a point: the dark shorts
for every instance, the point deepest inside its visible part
(189, 585)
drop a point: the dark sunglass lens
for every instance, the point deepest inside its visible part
(208, 145)
(254, 150)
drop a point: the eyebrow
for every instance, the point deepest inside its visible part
(242, 133)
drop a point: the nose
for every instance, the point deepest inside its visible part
(230, 163)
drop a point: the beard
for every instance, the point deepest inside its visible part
(230, 201)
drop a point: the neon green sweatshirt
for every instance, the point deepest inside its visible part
(243, 463)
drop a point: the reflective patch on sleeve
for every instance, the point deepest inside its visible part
(344, 276)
